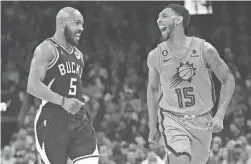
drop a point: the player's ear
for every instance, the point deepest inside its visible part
(179, 20)
(61, 22)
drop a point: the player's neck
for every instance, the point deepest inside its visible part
(177, 37)
(62, 41)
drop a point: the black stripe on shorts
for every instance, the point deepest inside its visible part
(165, 139)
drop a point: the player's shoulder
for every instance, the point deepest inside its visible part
(45, 50)
(206, 44)
(209, 49)
(153, 53)
(45, 46)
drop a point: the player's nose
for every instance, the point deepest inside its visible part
(81, 29)
(159, 20)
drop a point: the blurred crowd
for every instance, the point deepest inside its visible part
(117, 39)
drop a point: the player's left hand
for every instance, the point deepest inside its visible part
(216, 124)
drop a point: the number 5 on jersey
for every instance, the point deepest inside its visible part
(73, 87)
(185, 97)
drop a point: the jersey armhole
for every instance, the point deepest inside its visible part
(55, 59)
(158, 56)
(202, 55)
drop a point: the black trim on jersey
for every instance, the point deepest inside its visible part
(208, 160)
(55, 42)
(202, 55)
(187, 51)
(165, 139)
(160, 97)
(55, 59)
(212, 88)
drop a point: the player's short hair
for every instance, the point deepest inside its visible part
(181, 11)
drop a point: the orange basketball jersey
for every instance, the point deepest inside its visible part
(186, 85)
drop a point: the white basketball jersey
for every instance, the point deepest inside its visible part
(186, 85)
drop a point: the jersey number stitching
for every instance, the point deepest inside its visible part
(73, 87)
(187, 94)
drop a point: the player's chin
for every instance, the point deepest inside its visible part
(76, 40)
(164, 33)
(164, 36)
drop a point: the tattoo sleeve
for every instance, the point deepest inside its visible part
(221, 70)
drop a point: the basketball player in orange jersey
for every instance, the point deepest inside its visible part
(63, 128)
(180, 71)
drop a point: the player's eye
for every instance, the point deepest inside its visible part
(77, 23)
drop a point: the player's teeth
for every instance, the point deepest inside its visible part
(162, 27)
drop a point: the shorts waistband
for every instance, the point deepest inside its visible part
(183, 115)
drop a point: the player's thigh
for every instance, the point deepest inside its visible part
(84, 146)
(175, 138)
(51, 138)
(200, 138)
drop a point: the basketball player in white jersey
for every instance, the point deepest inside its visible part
(180, 71)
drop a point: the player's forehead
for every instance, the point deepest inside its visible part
(167, 11)
(76, 16)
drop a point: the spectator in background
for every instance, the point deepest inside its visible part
(7, 156)
(224, 158)
(237, 156)
(239, 120)
(153, 158)
(98, 71)
(248, 149)
(215, 149)
(222, 35)
(131, 157)
(105, 155)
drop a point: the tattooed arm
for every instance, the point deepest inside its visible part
(213, 62)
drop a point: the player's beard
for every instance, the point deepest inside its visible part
(169, 33)
(69, 36)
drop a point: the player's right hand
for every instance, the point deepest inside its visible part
(154, 135)
(72, 105)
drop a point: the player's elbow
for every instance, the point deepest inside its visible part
(229, 81)
(232, 80)
(29, 88)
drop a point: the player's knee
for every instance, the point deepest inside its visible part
(90, 160)
(183, 158)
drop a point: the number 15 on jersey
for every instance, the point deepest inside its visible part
(185, 97)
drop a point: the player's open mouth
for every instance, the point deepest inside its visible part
(78, 35)
(162, 28)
